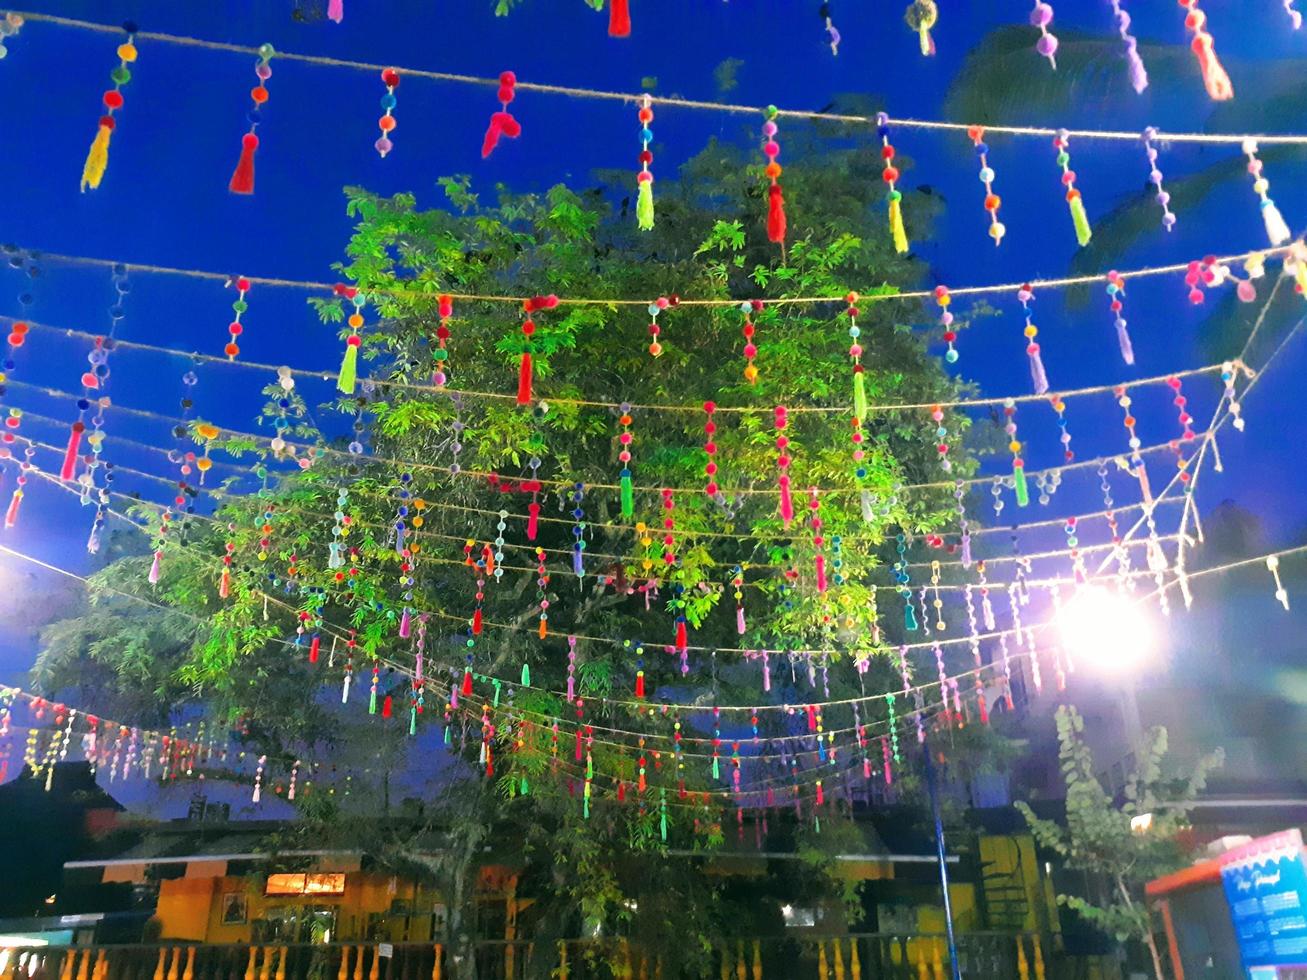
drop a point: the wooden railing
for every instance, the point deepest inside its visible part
(871, 956)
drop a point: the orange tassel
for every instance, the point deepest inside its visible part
(542, 627)
(524, 379)
(224, 584)
(775, 214)
(619, 18)
(242, 178)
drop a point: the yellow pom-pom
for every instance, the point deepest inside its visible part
(1031, 330)
(1014, 446)
(127, 51)
(355, 321)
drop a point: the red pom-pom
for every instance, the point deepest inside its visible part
(619, 18)
(390, 78)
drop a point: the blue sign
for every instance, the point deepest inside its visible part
(1265, 884)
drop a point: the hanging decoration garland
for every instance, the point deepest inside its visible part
(1037, 374)
(644, 201)
(1014, 446)
(97, 158)
(775, 197)
(748, 308)
(1079, 218)
(242, 178)
(626, 491)
(921, 16)
(525, 368)
(1138, 75)
(1041, 15)
(1155, 178)
(502, 122)
(1276, 228)
(1215, 79)
(992, 201)
(1116, 303)
(890, 175)
(710, 450)
(783, 467)
(348, 374)
(10, 24)
(236, 328)
(390, 79)
(445, 310)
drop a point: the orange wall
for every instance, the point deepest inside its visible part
(183, 907)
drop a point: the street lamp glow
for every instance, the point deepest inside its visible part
(1105, 631)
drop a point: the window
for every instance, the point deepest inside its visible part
(305, 884)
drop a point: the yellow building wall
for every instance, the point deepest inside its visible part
(183, 908)
(1014, 855)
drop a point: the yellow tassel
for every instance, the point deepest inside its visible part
(1081, 220)
(896, 229)
(97, 160)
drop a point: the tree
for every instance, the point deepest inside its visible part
(443, 465)
(1101, 838)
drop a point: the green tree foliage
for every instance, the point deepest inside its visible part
(1099, 840)
(709, 242)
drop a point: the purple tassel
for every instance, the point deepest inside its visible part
(93, 542)
(578, 565)
(405, 625)
(453, 695)
(1138, 76)
(739, 620)
(1123, 338)
(154, 568)
(1037, 369)
(766, 672)
(966, 549)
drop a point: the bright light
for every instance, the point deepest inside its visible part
(1105, 632)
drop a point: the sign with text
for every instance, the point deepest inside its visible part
(1265, 884)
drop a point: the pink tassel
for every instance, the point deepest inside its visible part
(821, 797)
(501, 124)
(335, 11)
(70, 454)
(405, 625)
(787, 503)
(154, 568)
(1037, 373)
(766, 674)
(532, 520)
(739, 620)
(821, 573)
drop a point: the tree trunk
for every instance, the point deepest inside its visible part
(1148, 930)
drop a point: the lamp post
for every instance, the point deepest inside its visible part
(939, 852)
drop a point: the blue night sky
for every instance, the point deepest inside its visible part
(164, 199)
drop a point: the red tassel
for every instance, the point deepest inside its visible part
(775, 214)
(639, 684)
(984, 708)
(501, 124)
(821, 797)
(315, 645)
(467, 683)
(387, 706)
(619, 18)
(578, 745)
(532, 520)
(681, 638)
(242, 178)
(11, 515)
(621, 792)
(812, 718)
(524, 380)
(643, 785)
(70, 454)
(476, 623)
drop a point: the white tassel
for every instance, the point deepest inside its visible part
(1276, 228)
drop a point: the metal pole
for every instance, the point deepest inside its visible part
(939, 851)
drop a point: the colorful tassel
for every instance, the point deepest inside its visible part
(390, 79)
(619, 18)
(502, 123)
(1116, 295)
(348, 376)
(775, 197)
(1216, 81)
(1276, 228)
(97, 158)
(242, 178)
(890, 175)
(921, 16)
(1079, 218)
(1037, 374)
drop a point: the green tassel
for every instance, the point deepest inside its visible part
(497, 685)
(896, 229)
(909, 614)
(446, 734)
(523, 789)
(817, 821)
(372, 703)
(413, 721)
(716, 771)
(662, 813)
(585, 802)
(628, 497)
(1081, 220)
(348, 370)
(859, 395)
(526, 675)
(589, 767)
(644, 215)
(1023, 491)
